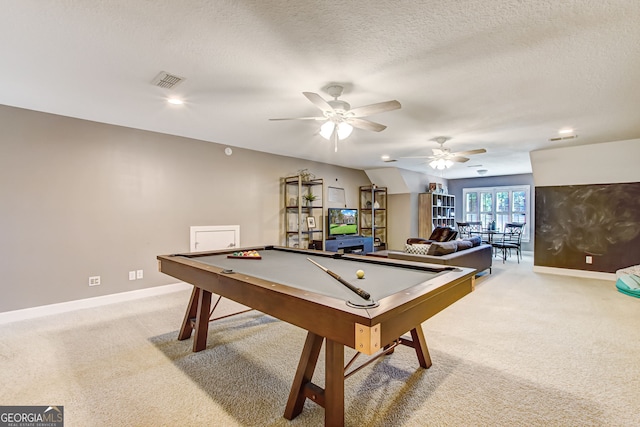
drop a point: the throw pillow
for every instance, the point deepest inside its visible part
(417, 248)
(463, 244)
(442, 248)
(475, 240)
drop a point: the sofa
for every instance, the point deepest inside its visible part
(471, 253)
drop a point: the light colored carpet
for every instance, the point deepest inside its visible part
(524, 349)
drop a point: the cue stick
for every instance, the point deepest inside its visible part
(363, 294)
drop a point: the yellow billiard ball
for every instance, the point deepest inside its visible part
(360, 274)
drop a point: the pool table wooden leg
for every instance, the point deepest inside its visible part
(302, 379)
(420, 346)
(332, 397)
(189, 315)
(197, 318)
(334, 387)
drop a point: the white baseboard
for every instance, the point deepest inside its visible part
(575, 273)
(63, 307)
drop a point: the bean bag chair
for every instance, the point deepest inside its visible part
(629, 284)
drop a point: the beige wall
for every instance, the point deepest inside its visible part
(402, 220)
(605, 163)
(83, 199)
(403, 189)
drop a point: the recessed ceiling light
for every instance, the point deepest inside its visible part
(175, 101)
(565, 131)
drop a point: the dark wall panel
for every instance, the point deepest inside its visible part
(576, 221)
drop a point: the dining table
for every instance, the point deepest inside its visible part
(488, 233)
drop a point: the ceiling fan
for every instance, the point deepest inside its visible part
(340, 118)
(443, 157)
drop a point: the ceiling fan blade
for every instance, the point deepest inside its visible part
(369, 110)
(469, 152)
(302, 118)
(459, 159)
(419, 157)
(365, 124)
(319, 102)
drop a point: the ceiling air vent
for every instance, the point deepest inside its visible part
(166, 80)
(562, 138)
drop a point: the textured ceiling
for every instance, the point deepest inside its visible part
(500, 75)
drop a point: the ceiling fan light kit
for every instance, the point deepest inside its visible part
(441, 164)
(343, 130)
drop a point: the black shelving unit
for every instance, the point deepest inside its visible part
(373, 215)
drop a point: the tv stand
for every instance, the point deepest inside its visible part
(349, 244)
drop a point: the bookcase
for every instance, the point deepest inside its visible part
(435, 209)
(303, 199)
(373, 214)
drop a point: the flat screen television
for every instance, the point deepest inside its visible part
(342, 221)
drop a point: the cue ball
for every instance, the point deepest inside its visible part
(360, 274)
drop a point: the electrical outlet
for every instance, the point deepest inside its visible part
(139, 274)
(589, 259)
(94, 280)
(132, 275)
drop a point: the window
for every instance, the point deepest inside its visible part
(500, 204)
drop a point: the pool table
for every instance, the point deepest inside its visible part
(283, 283)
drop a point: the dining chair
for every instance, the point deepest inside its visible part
(463, 229)
(511, 238)
(475, 229)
